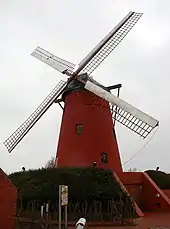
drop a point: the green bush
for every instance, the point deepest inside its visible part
(93, 193)
(84, 184)
(160, 178)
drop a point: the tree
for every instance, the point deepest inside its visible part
(51, 163)
(132, 170)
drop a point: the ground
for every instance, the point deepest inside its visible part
(149, 221)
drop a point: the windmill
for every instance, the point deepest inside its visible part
(87, 135)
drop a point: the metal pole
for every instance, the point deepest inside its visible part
(59, 208)
(66, 216)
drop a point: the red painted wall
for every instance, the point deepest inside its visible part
(131, 178)
(83, 107)
(167, 192)
(133, 183)
(150, 198)
(145, 192)
(8, 198)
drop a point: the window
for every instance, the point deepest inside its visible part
(104, 158)
(79, 129)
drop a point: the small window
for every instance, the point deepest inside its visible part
(79, 129)
(104, 158)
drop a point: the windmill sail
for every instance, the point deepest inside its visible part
(128, 115)
(18, 135)
(55, 62)
(97, 55)
(108, 44)
(87, 65)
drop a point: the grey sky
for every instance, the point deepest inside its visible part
(70, 29)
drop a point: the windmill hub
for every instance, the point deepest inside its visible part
(78, 84)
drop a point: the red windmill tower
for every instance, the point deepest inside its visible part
(87, 135)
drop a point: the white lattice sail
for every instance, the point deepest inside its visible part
(128, 115)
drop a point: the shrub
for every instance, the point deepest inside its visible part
(160, 178)
(83, 183)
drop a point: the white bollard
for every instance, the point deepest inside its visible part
(42, 211)
(81, 223)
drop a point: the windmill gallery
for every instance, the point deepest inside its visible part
(88, 119)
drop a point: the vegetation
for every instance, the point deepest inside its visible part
(160, 178)
(93, 192)
(84, 183)
(133, 170)
(51, 163)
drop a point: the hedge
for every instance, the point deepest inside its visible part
(160, 178)
(83, 183)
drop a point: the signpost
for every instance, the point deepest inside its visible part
(63, 201)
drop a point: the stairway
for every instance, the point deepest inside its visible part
(147, 196)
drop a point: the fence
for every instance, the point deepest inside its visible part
(120, 212)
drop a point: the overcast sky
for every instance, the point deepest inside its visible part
(70, 29)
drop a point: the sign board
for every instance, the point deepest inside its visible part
(64, 195)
